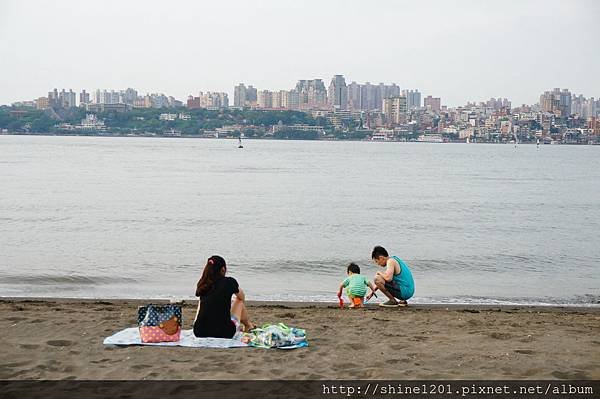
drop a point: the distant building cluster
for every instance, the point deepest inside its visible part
(312, 94)
(379, 111)
(105, 100)
(208, 100)
(558, 117)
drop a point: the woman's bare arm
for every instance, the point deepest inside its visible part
(240, 294)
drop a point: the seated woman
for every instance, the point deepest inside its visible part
(217, 315)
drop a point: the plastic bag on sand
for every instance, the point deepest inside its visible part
(276, 336)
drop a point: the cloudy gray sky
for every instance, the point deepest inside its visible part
(458, 50)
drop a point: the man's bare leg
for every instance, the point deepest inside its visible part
(380, 283)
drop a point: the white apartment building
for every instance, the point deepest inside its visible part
(395, 109)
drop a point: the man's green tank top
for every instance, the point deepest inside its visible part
(404, 279)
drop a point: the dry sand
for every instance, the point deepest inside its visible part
(62, 339)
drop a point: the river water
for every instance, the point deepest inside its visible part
(137, 217)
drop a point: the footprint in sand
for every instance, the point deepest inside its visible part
(29, 346)
(378, 319)
(100, 361)
(15, 318)
(528, 338)
(501, 336)
(577, 375)
(138, 367)
(287, 315)
(525, 351)
(17, 364)
(59, 342)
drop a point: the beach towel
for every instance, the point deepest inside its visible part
(131, 336)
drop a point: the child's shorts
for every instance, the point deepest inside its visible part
(353, 295)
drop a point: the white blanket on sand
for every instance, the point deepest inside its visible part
(131, 336)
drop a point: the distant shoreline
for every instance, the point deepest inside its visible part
(594, 308)
(275, 139)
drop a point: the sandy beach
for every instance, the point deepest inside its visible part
(62, 339)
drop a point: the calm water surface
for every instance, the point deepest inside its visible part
(137, 217)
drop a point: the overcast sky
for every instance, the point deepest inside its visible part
(458, 50)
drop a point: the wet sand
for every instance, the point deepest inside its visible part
(62, 339)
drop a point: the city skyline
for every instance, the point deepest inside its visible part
(460, 52)
(341, 111)
(306, 95)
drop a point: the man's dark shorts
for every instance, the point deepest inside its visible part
(393, 288)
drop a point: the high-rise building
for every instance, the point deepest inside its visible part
(84, 98)
(565, 102)
(388, 91)
(594, 125)
(239, 95)
(192, 102)
(557, 102)
(53, 100)
(590, 108)
(129, 96)
(67, 99)
(413, 99)
(276, 99)
(367, 97)
(291, 100)
(394, 109)
(338, 93)
(42, 103)
(107, 97)
(312, 94)
(264, 99)
(432, 103)
(379, 95)
(214, 100)
(159, 100)
(354, 96)
(251, 94)
(380, 92)
(577, 104)
(143, 102)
